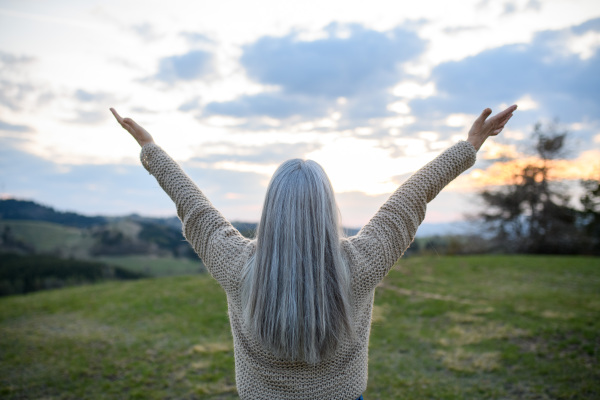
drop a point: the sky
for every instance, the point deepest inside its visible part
(230, 89)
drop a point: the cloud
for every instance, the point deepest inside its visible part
(585, 166)
(11, 61)
(85, 188)
(335, 66)
(143, 110)
(190, 105)
(91, 107)
(351, 63)
(119, 189)
(15, 89)
(86, 117)
(547, 70)
(194, 65)
(89, 97)
(357, 208)
(453, 30)
(483, 4)
(535, 5)
(275, 104)
(274, 153)
(591, 25)
(146, 31)
(196, 38)
(509, 8)
(13, 95)
(5, 126)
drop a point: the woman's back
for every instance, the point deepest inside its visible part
(260, 374)
(341, 372)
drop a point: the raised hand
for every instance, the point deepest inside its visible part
(139, 134)
(483, 128)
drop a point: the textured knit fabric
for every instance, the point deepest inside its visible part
(371, 254)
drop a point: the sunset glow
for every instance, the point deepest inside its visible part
(232, 89)
(586, 166)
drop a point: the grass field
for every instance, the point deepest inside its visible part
(489, 327)
(49, 237)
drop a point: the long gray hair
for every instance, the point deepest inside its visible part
(295, 289)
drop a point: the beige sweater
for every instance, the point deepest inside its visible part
(372, 253)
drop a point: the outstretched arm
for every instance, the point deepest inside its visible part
(388, 234)
(215, 240)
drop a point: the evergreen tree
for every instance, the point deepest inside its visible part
(533, 215)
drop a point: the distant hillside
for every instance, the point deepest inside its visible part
(29, 210)
(154, 246)
(41, 237)
(25, 210)
(24, 274)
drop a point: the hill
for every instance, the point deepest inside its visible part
(485, 327)
(142, 245)
(24, 274)
(25, 210)
(13, 209)
(152, 246)
(30, 227)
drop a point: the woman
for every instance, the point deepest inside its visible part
(300, 296)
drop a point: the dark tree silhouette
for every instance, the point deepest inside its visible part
(533, 215)
(590, 216)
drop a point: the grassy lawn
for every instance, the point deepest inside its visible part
(489, 327)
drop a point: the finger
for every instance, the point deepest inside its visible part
(497, 131)
(117, 116)
(130, 122)
(506, 119)
(481, 120)
(132, 125)
(508, 115)
(502, 118)
(508, 111)
(486, 113)
(502, 121)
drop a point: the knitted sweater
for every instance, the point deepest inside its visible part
(371, 254)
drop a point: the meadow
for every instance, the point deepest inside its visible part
(462, 327)
(71, 242)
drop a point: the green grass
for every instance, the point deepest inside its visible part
(489, 327)
(503, 327)
(50, 237)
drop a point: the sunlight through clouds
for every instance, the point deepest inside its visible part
(586, 45)
(586, 166)
(356, 165)
(231, 89)
(411, 90)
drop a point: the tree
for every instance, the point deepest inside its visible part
(533, 215)
(590, 215)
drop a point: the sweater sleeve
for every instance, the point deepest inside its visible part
(383, 240)
(213, 238)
